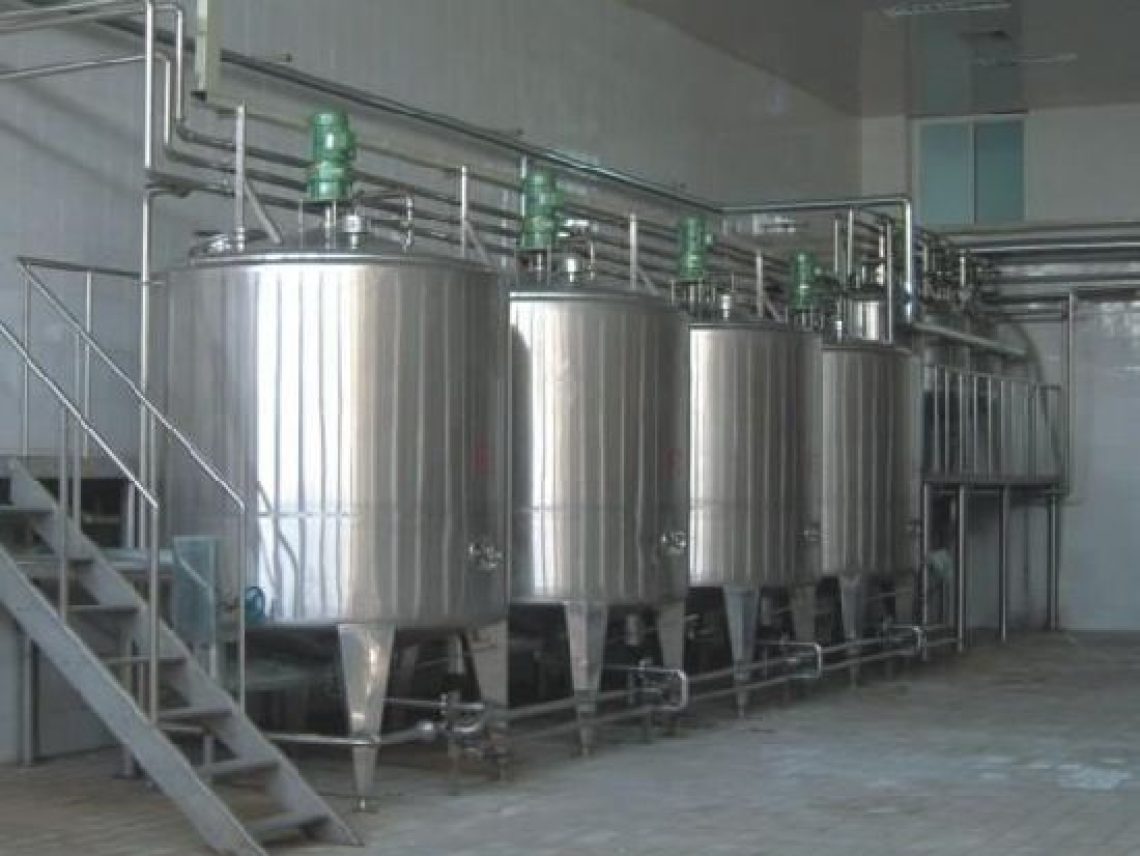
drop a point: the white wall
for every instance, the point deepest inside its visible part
(628, 90)
(1083, 164)
(884, 155)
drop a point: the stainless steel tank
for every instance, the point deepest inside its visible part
(862, 476)
(745, 522)
(600, 474)
(356, 395)
(599, 437)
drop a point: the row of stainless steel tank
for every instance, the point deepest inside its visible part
(397, 431)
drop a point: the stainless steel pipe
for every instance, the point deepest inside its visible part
(963, 338)
(1003, 564)
(961, 568)
(1053, 607)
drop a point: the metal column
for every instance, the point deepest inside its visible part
(924, 559)
(1053, 608)
(1003, 564)
(960, 569)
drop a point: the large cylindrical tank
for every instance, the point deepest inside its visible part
(862, 478)
(600, 442)
(357, 398)
(745, 521)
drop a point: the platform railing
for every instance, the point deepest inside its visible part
(989, 426)
(144, 506)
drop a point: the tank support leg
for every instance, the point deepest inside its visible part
(490, 655)
(741, 609)
(803, 613)
(586, 634)
(852, 608)
(366, 664)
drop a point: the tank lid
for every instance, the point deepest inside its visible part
(349, 237)
(531, 286)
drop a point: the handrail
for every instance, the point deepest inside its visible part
(991, 424)
(78, 328)
(66, 402)
(150, 415)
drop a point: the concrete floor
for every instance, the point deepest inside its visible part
(1031, 749)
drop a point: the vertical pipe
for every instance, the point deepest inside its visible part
(910, 288)
(145, 464)
(243, 580)
(924, 565)
(1053, 619)
(961, 568)
(1070, 396)
(239, 175)
(761, 295)
(148, 87)
(934, 463)
(836, 247)
(1003, 564)
(633, 260)
(25, 379)
(962, 422)
(889, 278)
(88, 325)
(154, 593)
(974, 426)
(144, 349)
(464, 210)
(991, 439)
(153, 608)
(179, 61)
(849, 261)
(946, 418)
(1032, 394)
(62, 496)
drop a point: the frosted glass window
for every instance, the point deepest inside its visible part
(971, 172)
(945, 174)
(999, 174)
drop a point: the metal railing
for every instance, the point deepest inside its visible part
(144, 507)
(989, 426)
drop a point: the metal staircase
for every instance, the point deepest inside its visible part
(103, 595)
(173, 717)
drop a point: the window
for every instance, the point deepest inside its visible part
(970, 171)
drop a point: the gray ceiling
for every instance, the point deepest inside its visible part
(1037, 53)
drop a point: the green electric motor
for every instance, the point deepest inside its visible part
(541, 200)
(333, 151)
(806, 274)
(693, 243)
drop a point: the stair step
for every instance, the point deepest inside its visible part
(112, 610)
(287, 823)
(143, 660)
(204, 706)
(46, 568)
(200, 713)
(234, 767)
(21, 512)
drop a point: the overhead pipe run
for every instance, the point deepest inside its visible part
(969, 339)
